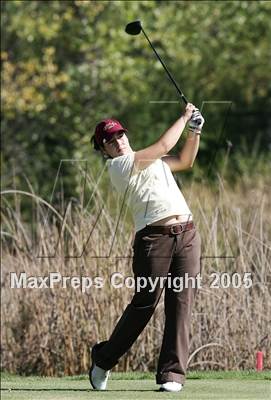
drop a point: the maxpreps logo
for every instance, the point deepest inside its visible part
(110, 125)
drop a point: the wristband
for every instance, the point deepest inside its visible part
(195, 131)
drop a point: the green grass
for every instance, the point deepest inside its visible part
(231, 385)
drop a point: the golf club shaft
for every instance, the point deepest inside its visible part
(167, 71)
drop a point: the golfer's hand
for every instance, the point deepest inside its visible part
(196, 122)
(188, 111)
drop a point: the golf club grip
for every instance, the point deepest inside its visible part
(165, 68)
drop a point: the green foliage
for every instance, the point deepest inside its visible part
(67, 64)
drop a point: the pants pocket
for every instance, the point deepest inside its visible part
(152, 237)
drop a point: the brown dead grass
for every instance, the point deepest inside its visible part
(50, 331)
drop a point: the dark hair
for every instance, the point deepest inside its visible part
(99, 148)
(95, 144)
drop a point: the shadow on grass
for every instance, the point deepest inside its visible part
(77, 390)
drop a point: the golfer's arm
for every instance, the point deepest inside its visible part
(187, 155)
(164, 144)
(172, 135)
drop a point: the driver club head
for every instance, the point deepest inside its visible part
(133, 28)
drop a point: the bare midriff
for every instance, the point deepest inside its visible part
(173, 219)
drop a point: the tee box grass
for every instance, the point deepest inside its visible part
(230, 385)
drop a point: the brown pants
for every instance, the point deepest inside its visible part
(158, 255)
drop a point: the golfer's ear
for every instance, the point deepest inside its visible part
(104, 153)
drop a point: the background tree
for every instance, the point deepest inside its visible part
(67, 64)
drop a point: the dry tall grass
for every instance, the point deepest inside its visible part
(50, 331)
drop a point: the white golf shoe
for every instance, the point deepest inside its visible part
(171, 387)
(98, 377)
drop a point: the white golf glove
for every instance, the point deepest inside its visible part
(196, 122)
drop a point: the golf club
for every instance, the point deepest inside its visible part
(134, 28)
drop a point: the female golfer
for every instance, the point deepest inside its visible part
(166, 244)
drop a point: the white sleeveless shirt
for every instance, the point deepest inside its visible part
(151, 193)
